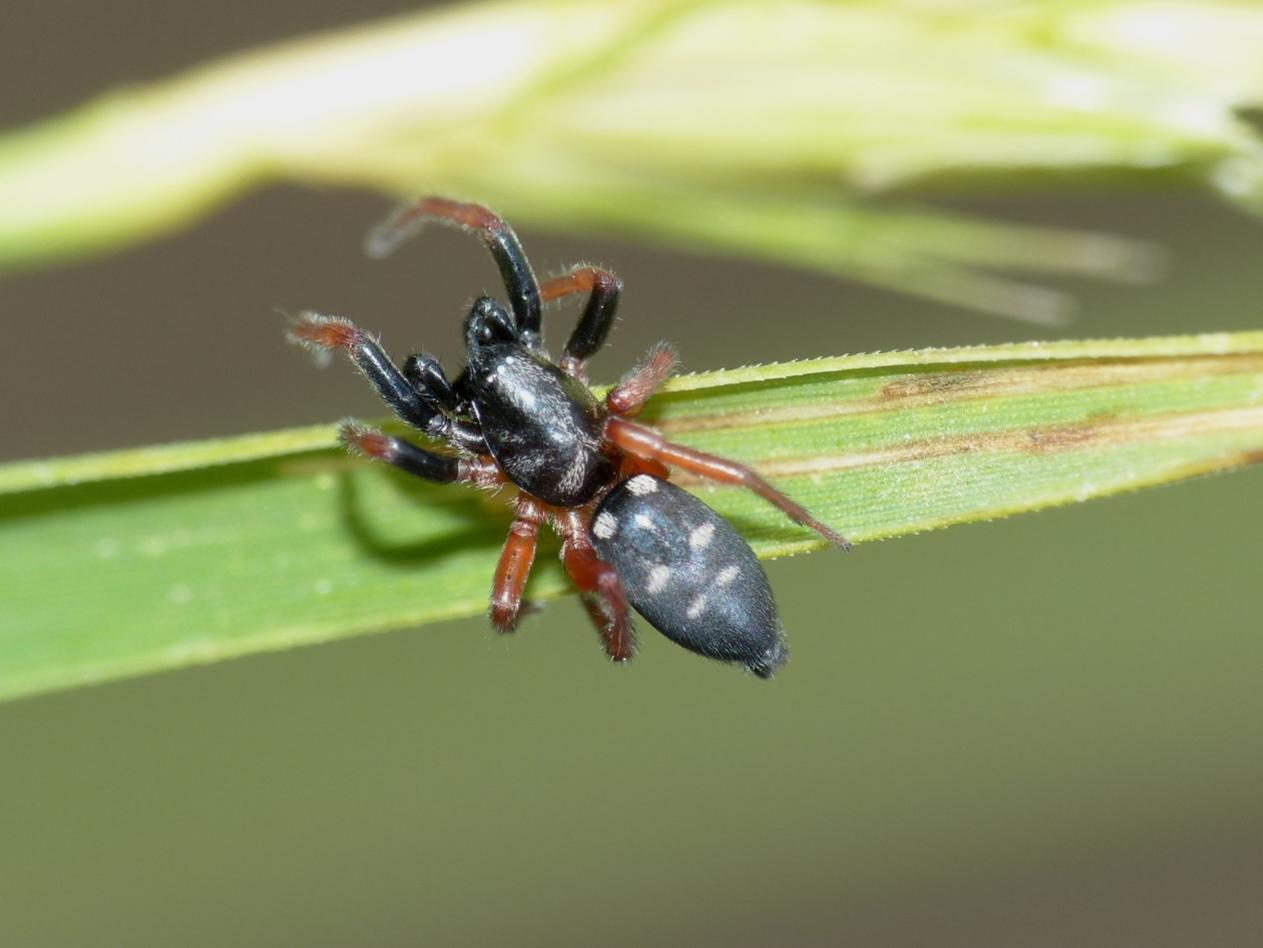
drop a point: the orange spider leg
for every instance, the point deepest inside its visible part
(603, 593)
(644, 442)
(516, 559)
(628, 397)
(603, 289)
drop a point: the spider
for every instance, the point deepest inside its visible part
(630, 538)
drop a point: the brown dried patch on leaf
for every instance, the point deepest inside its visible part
(1097, 432)
(928, 389)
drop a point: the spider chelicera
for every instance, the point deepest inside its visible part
(514, 416)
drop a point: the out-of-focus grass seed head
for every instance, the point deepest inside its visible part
(793, 131)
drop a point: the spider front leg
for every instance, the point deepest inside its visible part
(602, 590)
(644, 442)
(499, 238)
(329, 333)
(427, 465)
(516, 559)
(420, 394)
(603, 289)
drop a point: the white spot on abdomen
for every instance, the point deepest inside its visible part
(699, 539)
(727, 575)
(658, 578)
(606, 525)
(642, 484)
(696, 606)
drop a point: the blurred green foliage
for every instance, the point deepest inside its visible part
(772, 129)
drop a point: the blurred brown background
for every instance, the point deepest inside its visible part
(1042, 731)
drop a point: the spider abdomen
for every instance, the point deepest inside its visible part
(689, 573)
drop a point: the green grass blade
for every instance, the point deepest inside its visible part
(143, 560)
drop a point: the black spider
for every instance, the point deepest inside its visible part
(516, 416)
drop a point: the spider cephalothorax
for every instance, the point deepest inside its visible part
(514, 416)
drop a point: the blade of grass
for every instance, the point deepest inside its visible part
(150, 559)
